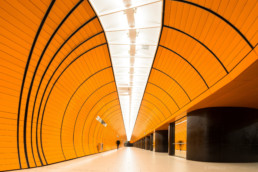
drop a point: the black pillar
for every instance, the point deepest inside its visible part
(147, 142)
(223, 134)
(171, 139)
(137, 144)
(151, 142)
(161, 141)
(128, 144)
(143, 143)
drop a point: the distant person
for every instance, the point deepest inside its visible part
(117, 143)
(98, 147)
(180, 142)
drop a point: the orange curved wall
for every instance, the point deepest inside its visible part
(203, 46)
(56, 77)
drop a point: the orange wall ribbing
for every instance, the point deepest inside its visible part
(56, 77)
(203, 46)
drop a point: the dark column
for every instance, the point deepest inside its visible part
(161, 141)
(151, 142)
(128, 144)
(171, 139)
(143, 143)
(147, 142)
(223, 134)
(137, 144)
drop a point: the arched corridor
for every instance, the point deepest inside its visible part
(174, 76)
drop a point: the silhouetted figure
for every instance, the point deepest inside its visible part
(118, 143)
(180, 142)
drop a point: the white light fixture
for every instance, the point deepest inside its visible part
(101, 121)
(132, 28)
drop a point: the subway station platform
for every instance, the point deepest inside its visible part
(173, 82)
(139, 160)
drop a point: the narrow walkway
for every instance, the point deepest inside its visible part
(138, 160)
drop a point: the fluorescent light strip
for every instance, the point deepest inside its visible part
(132, 50)
(131, 7)
(137, 28)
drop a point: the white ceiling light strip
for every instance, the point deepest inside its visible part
(132, 28)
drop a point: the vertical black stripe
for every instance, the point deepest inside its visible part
(81, 109)
(88, 21)
(90, 112)
(70, 101)
(106, 120)
(33, 78)
(163, 12)
(155, 107)
(95, 125)
(78, 115)
(219, 16)
(148, 120)
(111, 64)
(186, 62)
(174, 81)
(24, 78)
(160, 101)
(166, 93)
(155, 115)
(41, 123)
(55, 72)
(110, 112)
(201, 44)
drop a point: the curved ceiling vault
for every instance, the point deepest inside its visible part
(132, 30)
(201, 43)
(56, 78)
(56, 74)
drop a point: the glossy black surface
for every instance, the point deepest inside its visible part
(151, 142)
(143, 143)
(223, 134)
(161, 141)
(171, 139)
(147, 142)
(128, 144)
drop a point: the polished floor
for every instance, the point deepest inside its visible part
(138, 160)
